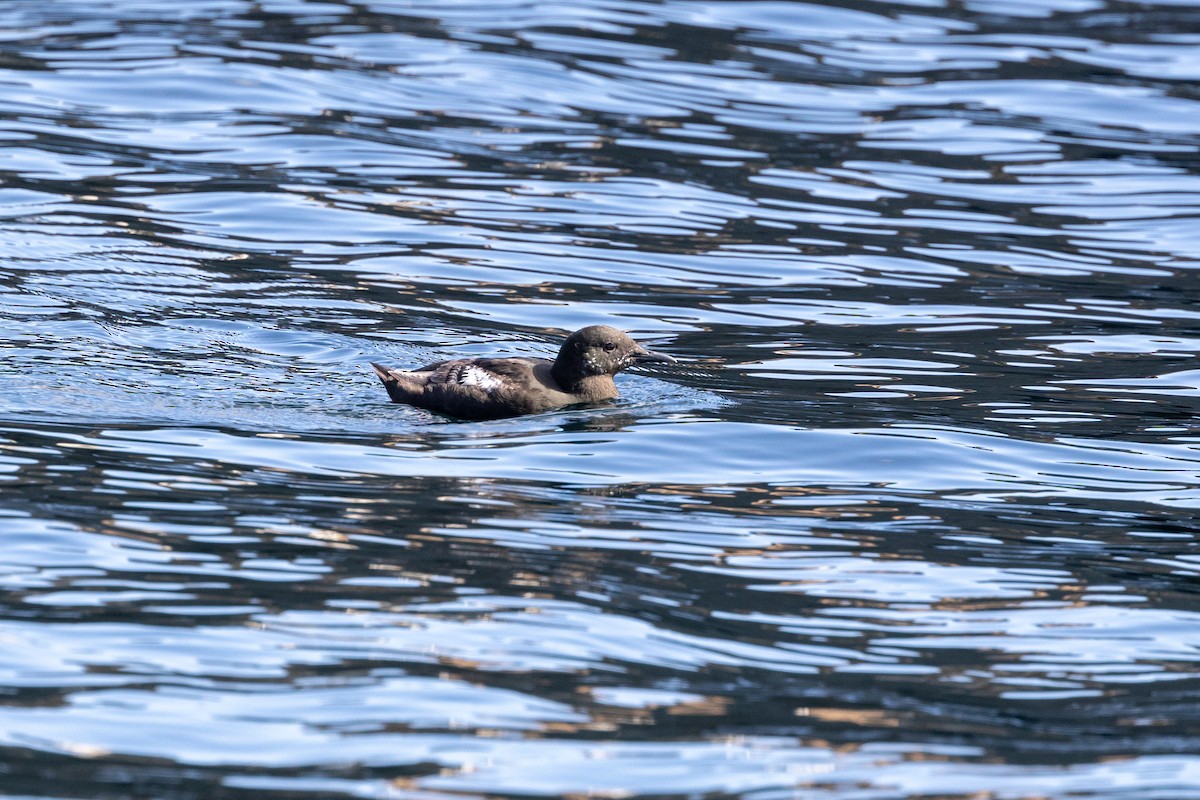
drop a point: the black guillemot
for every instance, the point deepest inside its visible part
(493, 388)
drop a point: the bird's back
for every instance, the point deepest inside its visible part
(477, 388)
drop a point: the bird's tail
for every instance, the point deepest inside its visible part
(399, 389)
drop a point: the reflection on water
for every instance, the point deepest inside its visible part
(913, 517)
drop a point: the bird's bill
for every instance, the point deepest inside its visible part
(651, 357)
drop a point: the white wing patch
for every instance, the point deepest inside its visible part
(472, 375)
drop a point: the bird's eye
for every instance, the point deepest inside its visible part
(610, 346)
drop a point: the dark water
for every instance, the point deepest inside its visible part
(914, 518)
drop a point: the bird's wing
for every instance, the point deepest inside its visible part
(467, 373)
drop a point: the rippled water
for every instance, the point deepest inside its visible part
(914, 517)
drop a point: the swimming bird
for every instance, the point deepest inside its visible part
(493, 388)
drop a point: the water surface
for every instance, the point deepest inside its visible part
(914, 517)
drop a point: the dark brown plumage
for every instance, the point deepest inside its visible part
(492, 388)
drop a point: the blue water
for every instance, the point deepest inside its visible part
(915, 516)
